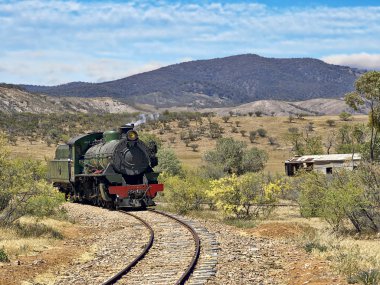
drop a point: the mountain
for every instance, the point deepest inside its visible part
(13, 99)
(228, 81)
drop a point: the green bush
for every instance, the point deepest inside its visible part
(23, 189)
(3, 256)
(168, 162)
(186, 192)
(235, 158)
(262, 132)
(314, 245)
(370, 277)
(343, 196)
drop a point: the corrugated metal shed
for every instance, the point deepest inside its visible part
(324, 158)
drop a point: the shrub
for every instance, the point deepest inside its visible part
(291, 118)
(258, 113)
(252, 136)
(234, 157)
(226, 119)
(344, 116)
(314, 245)
(168, 162)
(23, 190)
(330, 123)
(262, 132)
(370, 277)
(254, 160)
(184, 193)
(194, 147)
(243, 197)
(344, 196)
(272, 141)
(3, 256)
(243, 132)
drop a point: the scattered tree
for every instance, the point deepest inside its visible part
(344, 116)
(330, 123)
(262, 132)
(252, 136)
(368, 90)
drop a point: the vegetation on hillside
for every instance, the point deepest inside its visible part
(55, 128)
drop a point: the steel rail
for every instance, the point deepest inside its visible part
(128, 268)
(185, 276)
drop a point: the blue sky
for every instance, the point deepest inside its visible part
(54, 42)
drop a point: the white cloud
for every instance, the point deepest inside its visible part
(359, 60)
(103, 40)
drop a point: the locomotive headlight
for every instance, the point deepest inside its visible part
(132, 135)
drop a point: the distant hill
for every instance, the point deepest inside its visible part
(14, 100)
(310, 107)
(219, 82)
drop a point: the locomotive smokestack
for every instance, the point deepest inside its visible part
(124, 129)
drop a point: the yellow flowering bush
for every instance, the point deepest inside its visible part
(249, 195)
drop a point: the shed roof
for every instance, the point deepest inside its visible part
(324, 158)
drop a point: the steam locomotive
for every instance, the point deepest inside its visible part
(110, 169)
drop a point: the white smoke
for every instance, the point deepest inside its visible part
(143, 118)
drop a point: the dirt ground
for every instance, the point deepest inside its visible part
(302, 267)
(37, 261)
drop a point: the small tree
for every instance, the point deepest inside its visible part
(250, 114)
(234, 157)
(344, 116)
(252, 136)
(272, 141)
(194, 147)
(262, 132)
(168, 162)
(258, 113)
(310, 127)
(234, 130)
(226, 119)
(237, 123)
(243, 132)
(291, 118)
(330, 123)
(295, 138)
(368, 89)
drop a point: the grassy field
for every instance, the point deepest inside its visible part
(276, 127)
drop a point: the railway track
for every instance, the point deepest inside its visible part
(173, 254)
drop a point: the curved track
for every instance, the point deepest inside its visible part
(164, 263)
(126, 269)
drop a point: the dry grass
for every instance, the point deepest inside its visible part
(16, 243)
(276, 127)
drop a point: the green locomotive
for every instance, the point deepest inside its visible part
(110, 169)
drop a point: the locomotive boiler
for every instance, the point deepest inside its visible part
(109, 169)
